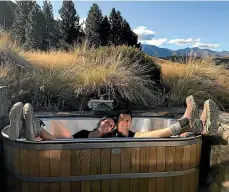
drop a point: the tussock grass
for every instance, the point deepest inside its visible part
(67, 80)
(59, 80)
(200, 77)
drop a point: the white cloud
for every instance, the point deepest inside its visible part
(154, 41)
(147, 36)
(82, 21)
(144, 33)
(193, 43)
(57, 17)
(184, 41)
(206, 45)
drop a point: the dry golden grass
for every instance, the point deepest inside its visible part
(60, 80)
(199, 77)
(50, 59)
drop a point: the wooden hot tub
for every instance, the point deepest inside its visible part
(103, 165)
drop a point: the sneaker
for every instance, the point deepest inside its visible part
(210, 117)
(191, 111)
(195, 126)
(16, 120)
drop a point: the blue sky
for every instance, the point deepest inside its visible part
(169, 24)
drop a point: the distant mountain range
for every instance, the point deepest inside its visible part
(163, 52)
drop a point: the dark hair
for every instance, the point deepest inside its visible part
(126, 112)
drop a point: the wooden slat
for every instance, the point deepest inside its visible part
(179, 156)
(187, 157)
(75, 169)
(105, 168)
(192, 187)
(143, 185)
(134, 167)
(85, 159)
(115, 168)
(44, 160)
(197, 173)
(169, 166)
(193, 155)
(34, 169)
(151, 185)
(65, 160)
(135, 160)
(24, 162)
(160, 182)
(152, 168)
(55, 169)
(185, 182)
(186, 165)
(24, 168)
(95, 169)
(25, 186)
(125, 168)
(177, 184)
(198, 153)
(144, 168)
(144, 160)
(16, 160)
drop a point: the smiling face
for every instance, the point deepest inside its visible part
(124, 123)
(106, 125)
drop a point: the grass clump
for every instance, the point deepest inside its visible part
(59, 80)
(200, 77)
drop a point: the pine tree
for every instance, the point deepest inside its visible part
(126, 33)
(50, 39)
(93, 26)
(21, 16)
(34, 31)
(105, 32)
(119, 28)
(69, 24)
(116, 23)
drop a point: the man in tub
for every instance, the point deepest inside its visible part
(188, 125)
(190, 122)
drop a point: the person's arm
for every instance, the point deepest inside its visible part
(45, 135)
(95, 134)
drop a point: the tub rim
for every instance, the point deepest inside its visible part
(92, 143)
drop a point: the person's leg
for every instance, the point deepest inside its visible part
(34, 130)
(16, 123)
(188, 123)
(180, 127)
(58, 130)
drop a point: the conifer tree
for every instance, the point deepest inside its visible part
(93, 26)
(115, 19)
(21, 16)
(105, 32)
(34, 30)
(69, 23)
(50, 37)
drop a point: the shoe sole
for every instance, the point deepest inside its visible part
(15, 117)
(195, 113)
(212, 117)
(28, 116)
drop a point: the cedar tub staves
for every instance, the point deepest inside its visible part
(103, 165)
